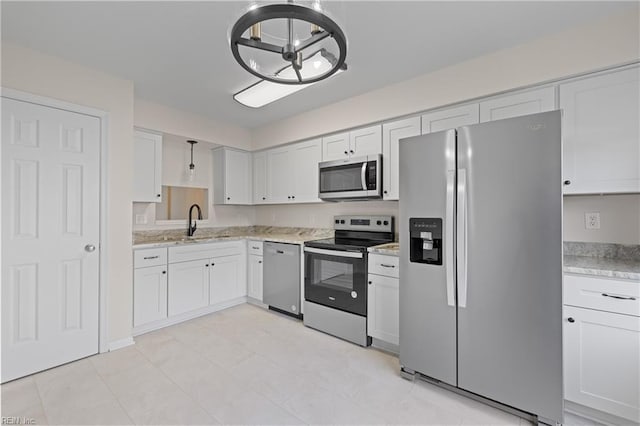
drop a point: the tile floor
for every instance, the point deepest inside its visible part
(243, 365)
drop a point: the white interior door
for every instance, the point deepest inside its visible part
(50, 237)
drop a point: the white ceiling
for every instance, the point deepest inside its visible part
(177, 53)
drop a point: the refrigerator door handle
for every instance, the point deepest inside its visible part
(448, 232)
(462, 238)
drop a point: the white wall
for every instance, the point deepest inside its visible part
(613, 41)
(31, 71)
(176, 155)
(165, 119)
(619, 218)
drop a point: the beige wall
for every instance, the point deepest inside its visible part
(609, 42)
(612, 41)
(619, 218)
(30, 71)
(165, 119)
(176, 155)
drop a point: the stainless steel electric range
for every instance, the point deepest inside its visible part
(335, 282)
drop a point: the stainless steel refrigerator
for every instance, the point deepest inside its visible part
(481, 261)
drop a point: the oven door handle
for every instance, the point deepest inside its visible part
(336, 253)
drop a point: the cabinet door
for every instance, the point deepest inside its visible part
(188, 286)
(335, 147)
(517, 104)
(224, 282)
(601, 367)
(391, 134)
(149, 294)
(601, 133)
(450, 118)
(237, 177)
(367, 141)
(279, 175)
(147, 167)
(383, 312)
(305, 157)
(255, 278)
(259, 178)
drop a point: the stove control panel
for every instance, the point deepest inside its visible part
(364, 223)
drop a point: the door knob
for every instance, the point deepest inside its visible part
(90, 248)
(571, 320)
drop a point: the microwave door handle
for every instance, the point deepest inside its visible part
(363, 176)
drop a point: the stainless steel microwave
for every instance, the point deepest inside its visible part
(356, 178)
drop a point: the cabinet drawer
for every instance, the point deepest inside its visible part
(384, 265)
(149, 257)
(197, 251)
(255, 247)
(617, 296)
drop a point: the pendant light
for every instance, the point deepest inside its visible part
(191, 173)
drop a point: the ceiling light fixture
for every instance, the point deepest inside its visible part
(277, 42)
(265, 92)
(191, 173)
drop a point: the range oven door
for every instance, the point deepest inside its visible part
(356, 178)
(336, 278)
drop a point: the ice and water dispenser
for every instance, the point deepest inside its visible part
(426, 240)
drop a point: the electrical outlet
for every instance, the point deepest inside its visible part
(141, 219)
(592, 220)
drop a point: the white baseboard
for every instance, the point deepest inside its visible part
(122, 343)
(596, 415)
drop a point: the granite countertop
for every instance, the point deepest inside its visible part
(603, 259)
(389, 249)
(165, 238)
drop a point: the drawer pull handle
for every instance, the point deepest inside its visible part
(618, 297)
(151, 257)
(387, 266)
(255, 248)
(279, 251)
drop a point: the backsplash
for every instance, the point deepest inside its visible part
(605, 250)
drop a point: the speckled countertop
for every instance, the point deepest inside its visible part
(389, 249)
(163, 238)
(605, 260)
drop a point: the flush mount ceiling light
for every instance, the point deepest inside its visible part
(289, 47)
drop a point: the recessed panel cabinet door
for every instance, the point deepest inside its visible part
(518, 104)
(601, 133)
(305, 157)
(365, 141)
(50, 237)
(188, 286)
(260, 178)
(450, 118)
(279, 175)
(383, 301)
(391, 135)
(147, 170)
(237, 177)
(602, 361)
(224, 284)
(149, 294)
(255, 277)
(335, 147)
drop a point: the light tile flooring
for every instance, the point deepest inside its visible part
(243, 365)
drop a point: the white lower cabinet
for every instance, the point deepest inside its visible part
(188, 286)
(226, 281)
(254, 281)
(383, 301)
(149, 294)
(602, 349)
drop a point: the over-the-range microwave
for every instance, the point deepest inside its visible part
(357, 178)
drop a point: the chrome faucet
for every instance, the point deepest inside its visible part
(192, 229)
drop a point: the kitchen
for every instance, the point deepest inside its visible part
(240, 166)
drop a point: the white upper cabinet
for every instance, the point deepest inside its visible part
(231, 176)
(147, 167)
(357, 143)
(518, 104)
(279, 175)
(391, 135)
(260, 178)
(305, 157)
(335, 147)
(601, 133)
(450, 118)
(292, 173)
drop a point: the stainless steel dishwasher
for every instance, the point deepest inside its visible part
(281, 288)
